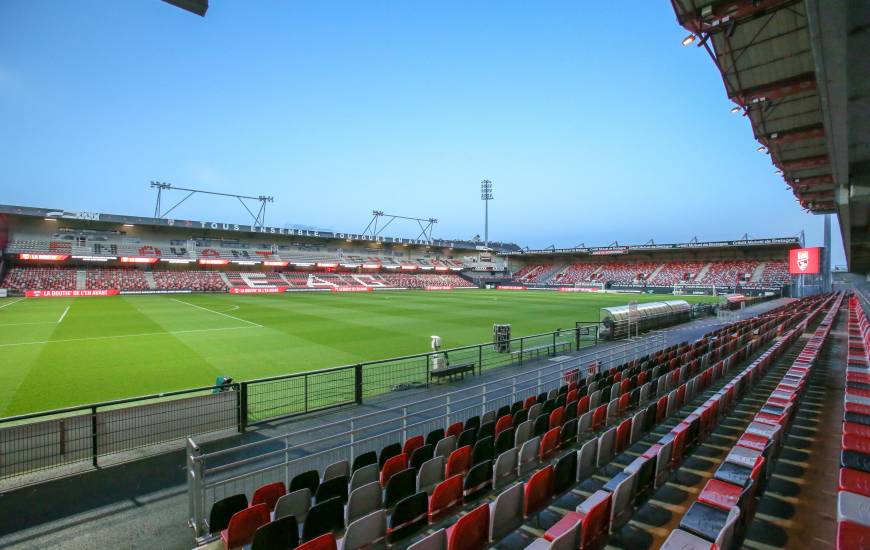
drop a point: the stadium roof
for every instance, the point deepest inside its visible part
(775, 242)
(786, 64)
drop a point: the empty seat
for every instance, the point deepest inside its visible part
(431, 473)
(331, 488)
(323, 542)
(322, 518)
(393, 466)
(504, 441)
(364, 476)
(483, 450)
(412, 444)
(565, 473)
(306, 480)
(363, 501)
(295, 504)
(471, 532)
(587, 459)
(269, 494)
(388, 452)
(363, 460)
(337, 469)
(595, 515)
(433, 437)
(528, 457)
(369, 532)
(409, 516)
(487, 429)
(435, 541)
(445, 446)
(549, 443)
(223, 510)
(478, 480)
(280, 534)
(467, 437)
(505, 469)
(421, 455)
(242, 526)
(538, 490)
(507, 512)
(459, 462)
(445, 497)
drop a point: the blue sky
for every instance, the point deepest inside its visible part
(591, 119)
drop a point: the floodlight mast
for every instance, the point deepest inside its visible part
(486, 196)
(259, 218)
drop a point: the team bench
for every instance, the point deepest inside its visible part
(550, 349)
(452, 370)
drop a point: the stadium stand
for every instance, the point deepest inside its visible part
(197, 281)
(673, 273)
(40, 278)
(106, 279)
(468, 493)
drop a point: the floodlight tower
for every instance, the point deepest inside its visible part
(486, 196)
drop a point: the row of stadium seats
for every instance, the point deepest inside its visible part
(64, 278)
(726, 505)
(853, 499)
(393, 494)
(722, 273)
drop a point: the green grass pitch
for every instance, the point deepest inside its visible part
(60, 352)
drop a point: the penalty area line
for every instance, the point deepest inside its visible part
(228, 316)
(10, 303)
(62, 315)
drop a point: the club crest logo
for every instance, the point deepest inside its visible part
(803, 259)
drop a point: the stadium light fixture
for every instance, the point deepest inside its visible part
(689, 40)
(778, 172)
(761, 149)
(735, 109)
(128, 225)
(50, 219)
(486, 196)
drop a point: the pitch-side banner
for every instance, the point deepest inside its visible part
(351, 289)
(437, 288)
(69, 293)
(803, 261)
(253, 290)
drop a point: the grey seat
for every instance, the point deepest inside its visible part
(363, 501)
(672, 403)
(637, 426)
(294, 504)
(528, 458)
(445, 446)
(606, 443)
(586, 459)
(431, 474)
(594, 399)
(505, 469)
(853, 507)
(536, 410)
(368, 532)
(488, 416)
(364, 476)
(569, 540)
(621, 505)
(524, 432)
(612, 412)
(337, 469)
(683, 540)
(506, 513)
(644, 393)
(435, 541)
(584, 424)
(663, 460)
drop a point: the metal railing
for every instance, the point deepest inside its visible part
(215, 475)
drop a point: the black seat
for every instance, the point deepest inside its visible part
(473, 422)
(223, 510)
(410, 515)
(565, 473)
(387, 453)
(421, 455)
(306, 480)
(542, 397)
(520, 416)
(332, 488)
(542, 424)
(548, 407)
(504, 441)
(568, 433)
(477, 481)
(483, 450)
(322, 518)
(517, 406)
(435, 436)
(704, 521)
(364, 459)
(560, 400)
(281, 534)
(646, 476)
(649, 419)
(503, 410)
(401, 485)
(468, 437)
(570, 411)
(486, 430)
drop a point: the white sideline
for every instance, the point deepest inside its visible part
(162, 333)
(10, 303)
(62, 315)
(217, 312)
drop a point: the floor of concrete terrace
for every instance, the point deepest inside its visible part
(143, 504)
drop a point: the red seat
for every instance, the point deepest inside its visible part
(471, 532)
(549, 443)
(323, 542)
(854, 481)
(599, 418)
(242, 526)
(455, 429)
(624, 401)
(720, 494)
(856, 429)
(392, 466)
(572, 395)
(412, 444)
(852, 535)
(857, 408)
(596, 519)
(562, 526)
(753, 441)
(582, 406)
(557, 416)
(623, 435)
(445, 497)
(855, 443)
(459, 462)
(506, 422)
(531, 400)
(269, 494)
(661, 408)
(538, 490)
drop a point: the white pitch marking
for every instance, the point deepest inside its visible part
(10, 303)
(117, 336)
(217, 312)
(24, 324)
(62, 315)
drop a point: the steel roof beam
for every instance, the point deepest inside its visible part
(813, 131)
(804, 163)
(775, 90)
(718, 16)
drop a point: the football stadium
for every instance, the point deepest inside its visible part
(188, 373)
